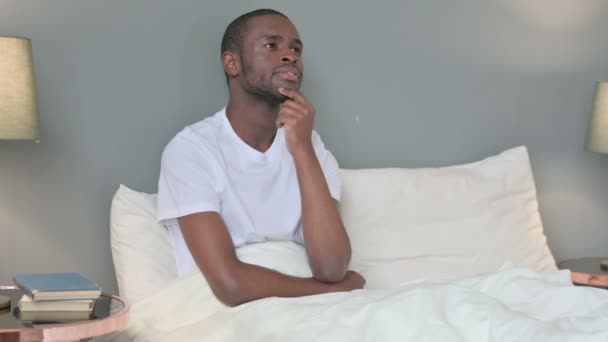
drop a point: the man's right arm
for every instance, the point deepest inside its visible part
(234, 282)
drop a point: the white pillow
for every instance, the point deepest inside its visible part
(444, 223)
(141, 249)
(143, 254)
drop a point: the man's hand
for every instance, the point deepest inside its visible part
(352, 281)
(327, 244)
(234, 282)
(297, 115)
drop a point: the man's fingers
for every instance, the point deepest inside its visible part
(297, 97)
(289, 93)
(286, 116)
(297, 108)
(286, 121)
(293, 105)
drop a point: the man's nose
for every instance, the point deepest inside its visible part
(289, 57)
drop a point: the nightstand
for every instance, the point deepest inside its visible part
(587, 271)
(111, 313)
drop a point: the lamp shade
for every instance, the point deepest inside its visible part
(18, 108)
(597, 138)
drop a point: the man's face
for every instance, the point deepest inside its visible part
(271, 58)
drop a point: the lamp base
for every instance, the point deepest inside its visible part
(5, 303)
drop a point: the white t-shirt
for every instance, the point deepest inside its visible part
(207, 167)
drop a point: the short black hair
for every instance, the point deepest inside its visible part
(233, 36)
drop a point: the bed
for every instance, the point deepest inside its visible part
(452, 253)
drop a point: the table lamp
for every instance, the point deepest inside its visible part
(597, 138)
(18, 108)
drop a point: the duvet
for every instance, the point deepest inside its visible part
(513, 304)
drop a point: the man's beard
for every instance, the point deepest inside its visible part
(263, 90)
(264, 93)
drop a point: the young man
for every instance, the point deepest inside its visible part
(256, 171)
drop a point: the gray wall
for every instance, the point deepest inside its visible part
(395, 83)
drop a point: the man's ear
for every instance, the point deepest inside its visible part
(232, 63)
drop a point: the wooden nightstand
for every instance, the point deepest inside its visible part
(587, 271)
(111, 313)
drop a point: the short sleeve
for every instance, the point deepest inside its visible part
(329, 165)
(186, 184)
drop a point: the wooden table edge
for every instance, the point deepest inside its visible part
(593, 279)
(73, 330)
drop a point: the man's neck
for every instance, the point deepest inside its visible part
(253, 121)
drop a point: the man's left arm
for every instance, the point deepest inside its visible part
(327, 244)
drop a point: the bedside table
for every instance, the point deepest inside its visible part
(111, 313)
(586, 271)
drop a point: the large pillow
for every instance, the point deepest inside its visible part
(444, 223)
(143, 255)
(141, 249)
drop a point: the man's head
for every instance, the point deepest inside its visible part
(261, 52)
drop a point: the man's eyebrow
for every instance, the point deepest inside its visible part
(277, 37)
(269, 36)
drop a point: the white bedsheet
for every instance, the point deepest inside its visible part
(510, 305)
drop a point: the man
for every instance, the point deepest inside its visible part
(256, 171)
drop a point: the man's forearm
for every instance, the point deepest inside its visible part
(327, 243)
(251, 282)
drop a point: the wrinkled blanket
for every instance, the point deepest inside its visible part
(510, 305)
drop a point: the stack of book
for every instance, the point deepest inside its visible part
(56, 297)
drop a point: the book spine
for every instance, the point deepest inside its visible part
(26, 290)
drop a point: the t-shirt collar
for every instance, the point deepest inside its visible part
(270, 154)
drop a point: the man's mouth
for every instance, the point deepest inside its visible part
(290, 74)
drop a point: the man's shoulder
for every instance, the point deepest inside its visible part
(203, 129)
(316, 141)
(202, 134)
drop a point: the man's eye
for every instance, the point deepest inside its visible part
(296, 50)
(270, 45)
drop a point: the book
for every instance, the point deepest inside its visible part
(54, 316)
(57, 286)
(27, 304)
